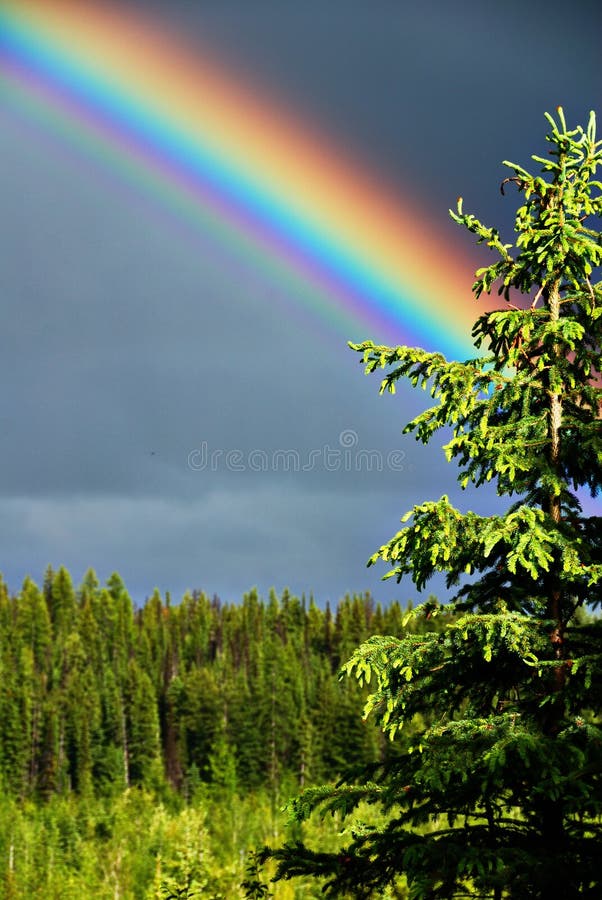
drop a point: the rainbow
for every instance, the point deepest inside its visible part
(177, 126)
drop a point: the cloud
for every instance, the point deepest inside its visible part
(130, 341)
(223, 541)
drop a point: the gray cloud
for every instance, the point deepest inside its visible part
(129, 340)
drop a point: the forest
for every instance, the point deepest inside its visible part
(209, 749)
(146, 752)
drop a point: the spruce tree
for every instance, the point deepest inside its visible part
(497, 793)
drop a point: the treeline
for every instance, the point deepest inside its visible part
(97, 696)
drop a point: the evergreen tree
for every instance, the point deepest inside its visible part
(499, 792)
(142, 723)
(200, 714)
(61, 602)
(33, 623)
(15, 738)
(81, 705)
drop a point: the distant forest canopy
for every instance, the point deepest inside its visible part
(97, 696)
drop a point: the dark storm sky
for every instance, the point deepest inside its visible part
(114, 372)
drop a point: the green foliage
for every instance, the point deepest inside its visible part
(236, 697)
(186, 874)
(254, 886)
(143, 752)
(497, 793)
(134, 846)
